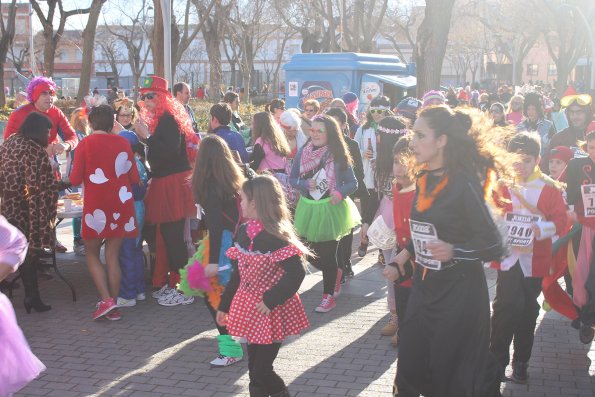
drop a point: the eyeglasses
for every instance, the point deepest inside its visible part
(377, 111)
(149, 96)
(582, 100)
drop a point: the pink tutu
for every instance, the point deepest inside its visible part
(18, 366)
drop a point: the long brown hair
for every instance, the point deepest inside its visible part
(272, 209)
(336, 143)
(474, 144)
(215, 169)
(264, 126)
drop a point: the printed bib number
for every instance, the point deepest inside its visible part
(421, 234)
(588, 193)
(519, 229)
(321, 185)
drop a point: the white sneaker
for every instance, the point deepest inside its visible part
(164, 291)
(79, 249)
(224, 361)
(175, 299)
(141, 296)
(121, 302)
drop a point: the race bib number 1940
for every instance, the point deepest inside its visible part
(588, 193)
(520, 229)
(421, 234)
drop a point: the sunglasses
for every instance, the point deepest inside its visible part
(377, 111)
(582, 100)
(149, 96)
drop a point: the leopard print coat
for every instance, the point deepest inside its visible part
(28, 190)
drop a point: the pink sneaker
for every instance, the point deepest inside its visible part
(338, 283)
(326, 305)
(104, 307)
(114, 315)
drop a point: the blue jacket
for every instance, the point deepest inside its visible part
(234, 141)
(344, 178)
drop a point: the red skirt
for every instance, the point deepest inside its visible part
(169, 199)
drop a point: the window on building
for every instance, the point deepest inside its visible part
(552, 70)
(532, 69)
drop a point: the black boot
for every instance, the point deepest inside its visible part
(29, 276)
(256, 391)
(282, 393)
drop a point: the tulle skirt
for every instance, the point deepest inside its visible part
(318, 221)
(18, 366)
(169, 199)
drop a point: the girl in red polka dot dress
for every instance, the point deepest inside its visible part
(260, 305)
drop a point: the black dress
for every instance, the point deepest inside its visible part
(444, 338)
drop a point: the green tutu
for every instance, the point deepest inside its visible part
(318, 221)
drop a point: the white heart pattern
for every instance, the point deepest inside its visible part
(130, 225)
(113, 226)
(96, 221)
(98, 177)
(116, 216)
(123, 165)
(124, 194)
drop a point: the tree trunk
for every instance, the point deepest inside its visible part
(215, 72)
(432, 37)
(157, 42)
(89, 48)
(49, 53)
(8, 31)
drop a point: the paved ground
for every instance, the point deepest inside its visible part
(159, 351)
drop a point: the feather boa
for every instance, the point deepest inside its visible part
(194, 282)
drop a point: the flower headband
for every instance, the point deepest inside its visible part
(396, 131)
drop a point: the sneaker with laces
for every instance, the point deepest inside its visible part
(337, 291)
(326, 305)
(519, 372)
(104, 307)
(114, 315)
(175, 299)
(141, 296)
(224, 361)
(165, 290)
(121, 302)
(79, 248)
(391, 327)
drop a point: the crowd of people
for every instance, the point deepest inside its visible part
(446, 184)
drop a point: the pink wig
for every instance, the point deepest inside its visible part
(37, 81)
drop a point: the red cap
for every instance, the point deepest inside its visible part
(155, 84)
(563, 153)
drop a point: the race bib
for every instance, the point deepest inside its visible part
(421, 234)
(588, 193)
(519, 230)
(321, 185)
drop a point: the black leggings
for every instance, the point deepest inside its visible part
(344, 252)
(263, 377)
(173, 237)
(326, 260)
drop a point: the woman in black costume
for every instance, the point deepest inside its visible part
(444, 338)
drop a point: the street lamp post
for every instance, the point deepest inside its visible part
(166, 13)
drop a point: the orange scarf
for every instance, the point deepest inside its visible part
(425, 199)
